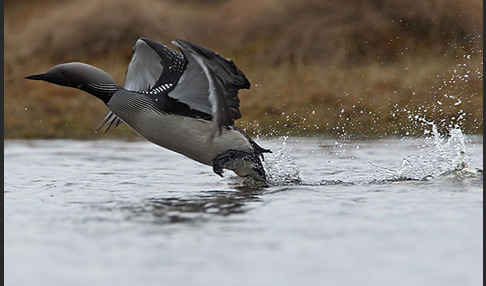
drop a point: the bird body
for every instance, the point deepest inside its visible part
(184, 101)
(181, 134)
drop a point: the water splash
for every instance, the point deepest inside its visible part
(437, 156)
(281, 167)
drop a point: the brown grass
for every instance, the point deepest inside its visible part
(315, 66)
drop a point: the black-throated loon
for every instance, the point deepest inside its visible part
(184, 101)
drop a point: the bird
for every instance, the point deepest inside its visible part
(184, 99)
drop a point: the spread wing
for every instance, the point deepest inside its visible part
(197, 82)
(153, 65)
(210, 84)
(154, 69)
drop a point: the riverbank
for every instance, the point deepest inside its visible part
(311, 71)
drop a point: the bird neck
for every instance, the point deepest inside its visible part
(103, 91)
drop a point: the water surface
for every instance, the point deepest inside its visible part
(386, 212)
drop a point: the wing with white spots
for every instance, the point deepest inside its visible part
(154, 69)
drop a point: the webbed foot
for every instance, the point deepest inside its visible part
(244, 164)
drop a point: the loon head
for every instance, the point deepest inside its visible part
(82, 76)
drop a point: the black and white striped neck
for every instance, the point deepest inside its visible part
(103, 91)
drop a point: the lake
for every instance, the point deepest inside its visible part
(395, 211)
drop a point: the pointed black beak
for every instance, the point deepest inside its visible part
(41, 76)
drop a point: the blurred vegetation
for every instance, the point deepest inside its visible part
(363, 68)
